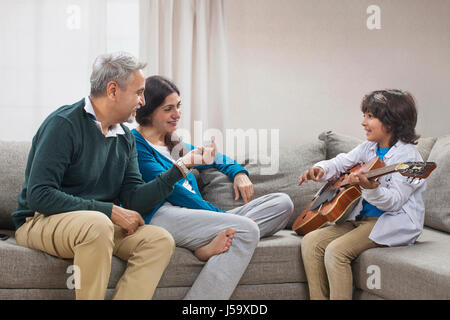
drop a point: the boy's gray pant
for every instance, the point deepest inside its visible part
(192, 229)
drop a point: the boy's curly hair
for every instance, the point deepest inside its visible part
(396, 109)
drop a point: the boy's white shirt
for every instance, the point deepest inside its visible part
(402, 223)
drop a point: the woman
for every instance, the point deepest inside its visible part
(225, 239)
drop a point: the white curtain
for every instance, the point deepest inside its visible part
(47, 51)
(184, 40)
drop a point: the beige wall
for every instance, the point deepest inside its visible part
(303, 66)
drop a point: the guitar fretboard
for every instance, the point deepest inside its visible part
(374, 173)
(380, 172)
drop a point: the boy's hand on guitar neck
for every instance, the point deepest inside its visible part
(362, 181)
(314, 173)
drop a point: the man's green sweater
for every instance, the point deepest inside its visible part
(73, 166)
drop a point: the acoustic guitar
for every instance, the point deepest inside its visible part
(337, 198)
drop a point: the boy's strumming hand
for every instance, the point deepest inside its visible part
(314, 173)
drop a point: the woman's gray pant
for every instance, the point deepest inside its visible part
(192, 229)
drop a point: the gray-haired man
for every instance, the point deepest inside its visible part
(82, 163)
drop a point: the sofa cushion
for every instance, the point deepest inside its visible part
(217, 188)
(13, 158)
(438, 187)
(336, 143)
(277, 259)
(425, 146)
(293, 160)
(419, 271)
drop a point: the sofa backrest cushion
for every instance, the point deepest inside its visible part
(437, 195)
(293, 160)
(336, 143)
(13, 158)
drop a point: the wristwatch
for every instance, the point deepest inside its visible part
(184, 170)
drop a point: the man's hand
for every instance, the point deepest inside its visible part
(128, 220)
(362, 181)
(201, 155)
(243, 186)
(314, 173)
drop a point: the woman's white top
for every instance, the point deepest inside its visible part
(164, 150)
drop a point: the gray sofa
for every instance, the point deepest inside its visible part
(276, 270)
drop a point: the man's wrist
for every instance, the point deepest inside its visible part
(182, 167)
(114, 212)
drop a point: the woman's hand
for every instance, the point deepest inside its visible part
(210, 151)
(243, 186)
(314, 173)
(362, 181)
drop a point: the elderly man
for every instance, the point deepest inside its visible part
(83, 193)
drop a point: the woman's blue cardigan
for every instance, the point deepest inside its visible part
(152, 163)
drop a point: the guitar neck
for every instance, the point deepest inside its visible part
(380, 172)
(374, 173)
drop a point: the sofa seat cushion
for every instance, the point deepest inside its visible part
(26, 268)
(420, 271)
(277, 259)
(283, 177)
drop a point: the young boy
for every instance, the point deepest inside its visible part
(391, 212)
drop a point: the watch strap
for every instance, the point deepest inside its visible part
(184, 170)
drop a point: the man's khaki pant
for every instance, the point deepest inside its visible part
(90, 238)
(327, 255)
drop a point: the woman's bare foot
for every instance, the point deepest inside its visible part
(219, 244)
